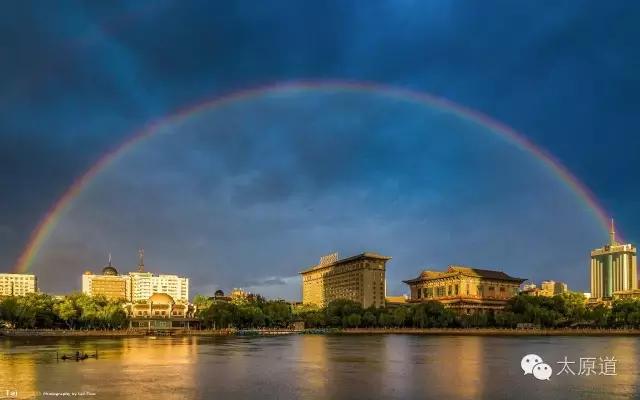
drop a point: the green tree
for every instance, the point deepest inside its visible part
(353, 320)
(369, 319)
(202, 303)
(399, 316)
(67, 312)
(9, 311)
(385, 320)
(277, 313)
(220, 315)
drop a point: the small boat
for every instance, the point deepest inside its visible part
(152, 337)
(78, 356)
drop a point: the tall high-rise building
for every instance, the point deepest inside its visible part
(613, 269)
(17, 284)
(109, 284)
(135, 286)
(144, 284)
(360, 278)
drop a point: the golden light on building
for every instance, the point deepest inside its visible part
(613, 270)
(465, 289)
(552, 288)
(17, 284)
(109, 284)
(161, 312)
(135, 286)
(360, 278)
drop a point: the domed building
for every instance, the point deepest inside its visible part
(110, 284)
(109, 270)
(160, 312)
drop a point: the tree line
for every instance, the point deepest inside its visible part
(79, 311)
(561, 311)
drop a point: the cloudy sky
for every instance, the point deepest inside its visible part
(250, 193)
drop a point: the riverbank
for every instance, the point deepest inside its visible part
(331, 331)
(140, 332)
(490, 332)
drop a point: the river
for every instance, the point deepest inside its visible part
(319, 367)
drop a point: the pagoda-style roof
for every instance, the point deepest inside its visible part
(457, 270)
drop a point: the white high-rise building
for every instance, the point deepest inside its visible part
(17, 284)
(144, 284)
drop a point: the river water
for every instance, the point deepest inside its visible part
(319, 367)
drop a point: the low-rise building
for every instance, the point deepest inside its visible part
(161, 312)
(552, 288)
(395, 301)
(465, 289)
(18, 284)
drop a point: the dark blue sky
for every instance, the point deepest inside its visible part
(78, 78)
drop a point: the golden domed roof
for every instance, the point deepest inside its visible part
(161, 298)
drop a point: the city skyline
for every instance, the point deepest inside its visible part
(549, 287)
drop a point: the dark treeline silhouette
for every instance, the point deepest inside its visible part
(79, 311)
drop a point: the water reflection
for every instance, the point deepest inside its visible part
(314, 367)
(310, 354)
(18, 376)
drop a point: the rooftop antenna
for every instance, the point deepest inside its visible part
(612, 234)
(141, 260)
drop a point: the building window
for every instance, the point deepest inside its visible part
(455, 289)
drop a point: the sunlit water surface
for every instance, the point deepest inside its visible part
(315, 367)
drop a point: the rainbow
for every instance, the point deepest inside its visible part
(58, 209)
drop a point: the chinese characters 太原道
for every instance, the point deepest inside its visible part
(588, 366)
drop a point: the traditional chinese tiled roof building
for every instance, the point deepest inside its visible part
(465, 289)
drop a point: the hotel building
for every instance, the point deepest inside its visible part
(360, 278)
(465, 289)
(613, 270)
(17, 284)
